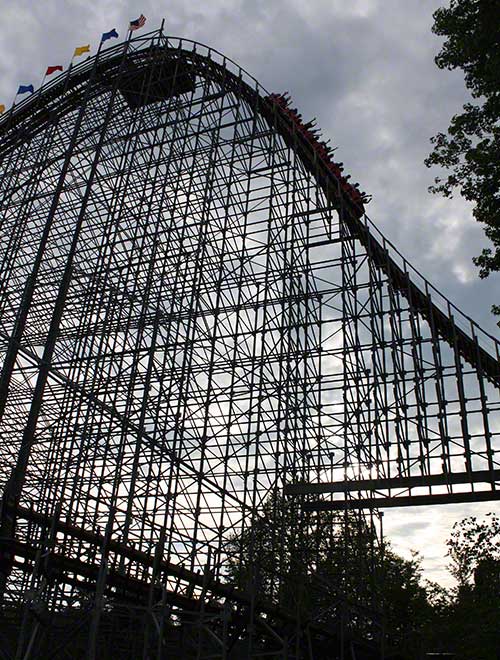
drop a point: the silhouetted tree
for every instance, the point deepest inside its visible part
(474, 614)
(470, 150)
(329, 567)
(465, 619)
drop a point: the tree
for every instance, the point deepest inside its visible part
(473, 544)
(470, 150)
(468, 625)
(330, 567)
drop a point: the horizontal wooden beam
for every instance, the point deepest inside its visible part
(479, 476)
(407, 500)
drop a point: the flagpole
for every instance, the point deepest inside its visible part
(68, 74)
(99, 47)
(128, 40)
(69, 70)
(41, 84)
(38, 95)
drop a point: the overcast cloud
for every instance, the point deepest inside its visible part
(366, 71)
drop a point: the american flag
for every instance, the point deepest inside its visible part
(138, 23)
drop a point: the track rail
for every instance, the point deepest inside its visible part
(126, 588)
(131, 572)
(62, 96)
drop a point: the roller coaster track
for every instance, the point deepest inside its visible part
(389, 277)
(32, 115)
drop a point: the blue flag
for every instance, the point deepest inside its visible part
(25, 88)
(109, 35)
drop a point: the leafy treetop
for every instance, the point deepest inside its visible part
(470, 150)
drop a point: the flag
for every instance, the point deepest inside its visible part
(2, 108)
(138, 23)
(25, 88)
(112, 34)
(81, 49)
(51, 69)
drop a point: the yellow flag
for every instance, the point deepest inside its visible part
(2, 108)
(81, 49)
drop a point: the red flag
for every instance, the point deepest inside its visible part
(51, 69)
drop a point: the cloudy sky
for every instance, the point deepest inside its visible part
(366, 70)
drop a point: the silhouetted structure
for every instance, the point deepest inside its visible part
(196, 315)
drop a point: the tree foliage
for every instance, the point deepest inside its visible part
(329, 567)
(470, 625)
(470, 150)
(473, 544)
